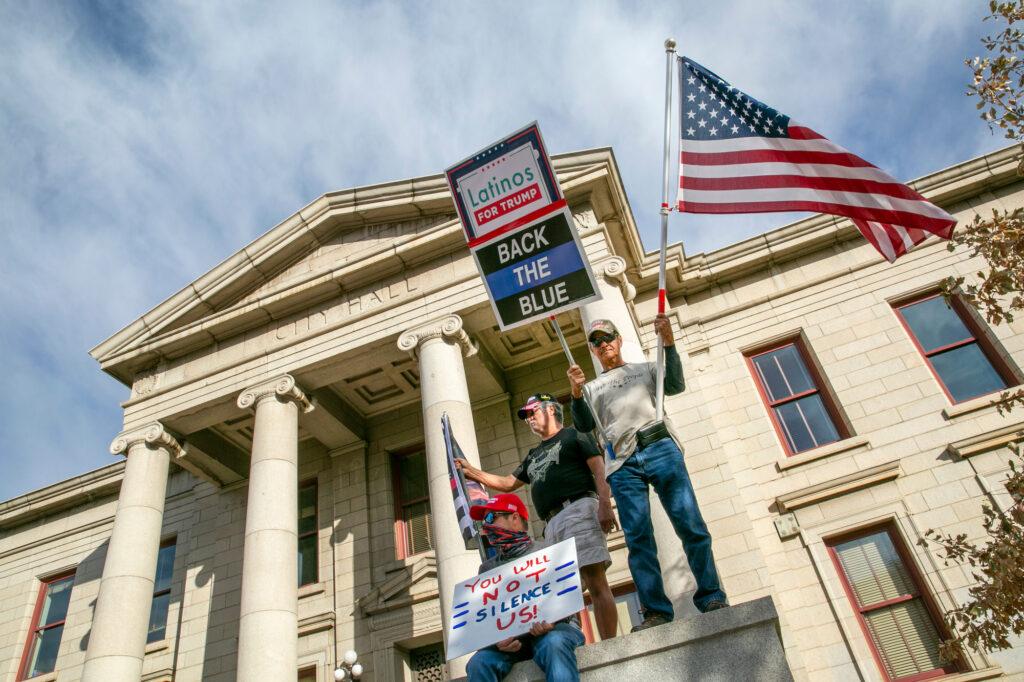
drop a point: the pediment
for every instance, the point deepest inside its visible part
(340, 242)
(346, 248)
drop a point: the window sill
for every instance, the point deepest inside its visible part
(975, 404)
(45, 677)
(312, 589)
(986, 674)
(153, 647)
(844, 445)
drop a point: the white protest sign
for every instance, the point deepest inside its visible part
(506, 601)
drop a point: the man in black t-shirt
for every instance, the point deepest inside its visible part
(567, 485)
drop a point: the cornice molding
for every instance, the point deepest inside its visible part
(448, 328)
(154, 435)
(281, 388)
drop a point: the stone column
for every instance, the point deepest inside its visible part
(439, 347)
(616, 292)
(117, 641)
(268, 621)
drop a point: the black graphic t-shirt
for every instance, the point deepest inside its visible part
(557, 469)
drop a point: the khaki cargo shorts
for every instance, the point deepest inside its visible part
(579, 520)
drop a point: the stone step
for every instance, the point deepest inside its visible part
(741, 642)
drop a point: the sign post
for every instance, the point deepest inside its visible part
(520, 230)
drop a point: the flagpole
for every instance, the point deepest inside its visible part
(670, 52)
(609, 450)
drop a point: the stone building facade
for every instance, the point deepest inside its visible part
(288, 403)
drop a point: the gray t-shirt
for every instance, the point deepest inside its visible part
(623, 401)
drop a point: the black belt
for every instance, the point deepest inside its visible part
(651, 434)
(566, 502)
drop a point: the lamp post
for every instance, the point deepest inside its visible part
(348, 668)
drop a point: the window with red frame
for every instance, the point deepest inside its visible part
(957, 355)
(308, 554)
(627, 604)
(47, 626)
(161, 592)
(413, 534)
(894, 611)
(803, 415)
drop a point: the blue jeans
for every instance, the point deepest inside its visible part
(661, 465)
(554, 653)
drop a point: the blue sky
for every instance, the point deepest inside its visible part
(143, 143)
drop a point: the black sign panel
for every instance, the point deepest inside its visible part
(536, 271)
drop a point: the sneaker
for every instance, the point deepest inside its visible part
(651, 621)
(715, 604)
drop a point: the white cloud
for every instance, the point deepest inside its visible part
(145, 144)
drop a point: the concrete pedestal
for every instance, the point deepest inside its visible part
(739, 643)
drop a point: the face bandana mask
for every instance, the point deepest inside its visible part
(507, 542)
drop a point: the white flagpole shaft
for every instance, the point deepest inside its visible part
(670, 56)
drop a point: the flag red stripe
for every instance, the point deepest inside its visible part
(773, 155)
(872, 238)
(802, 133)
(892, 189)
(937, 226)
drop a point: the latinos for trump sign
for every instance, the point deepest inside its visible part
(520, 230)
(507, 182)
(506, 601)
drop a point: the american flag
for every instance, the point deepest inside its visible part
(738, 155)
(464, 493)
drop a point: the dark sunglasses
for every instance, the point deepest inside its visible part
(598, 339)
(490, 516)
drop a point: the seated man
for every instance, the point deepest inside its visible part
(552, 647)
(566, 476)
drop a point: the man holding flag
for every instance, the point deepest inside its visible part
(646, 454)
(567, 483)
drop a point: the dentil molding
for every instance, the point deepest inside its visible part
(153, 434)
(282, 387)
(449, 328)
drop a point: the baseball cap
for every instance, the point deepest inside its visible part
(601, 326)
(533, 402)
(505, 502)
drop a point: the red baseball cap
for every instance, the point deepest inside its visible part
(505, 502)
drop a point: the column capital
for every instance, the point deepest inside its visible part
(282, 387)
(613, 269)
(151, 434)
(448, 327)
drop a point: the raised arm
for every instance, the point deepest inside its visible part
(582, 417)
(674, 382)
(503, 484)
